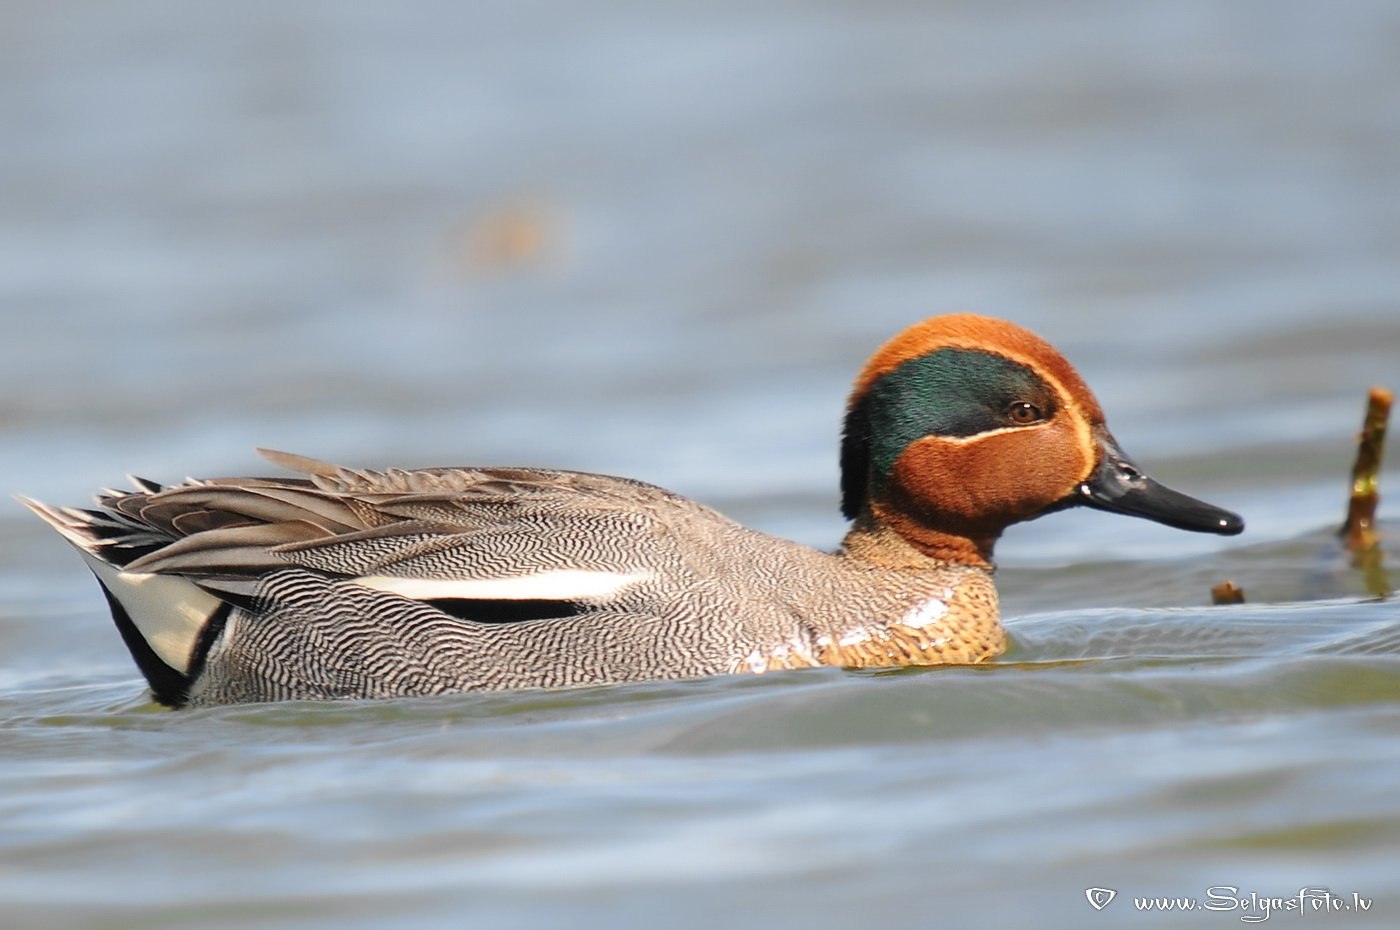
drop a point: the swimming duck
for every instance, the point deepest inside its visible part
(348, 583)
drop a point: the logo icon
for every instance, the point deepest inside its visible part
(1099, 897)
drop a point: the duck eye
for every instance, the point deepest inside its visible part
(1023, 414)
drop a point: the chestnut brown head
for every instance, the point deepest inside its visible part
(963, 425)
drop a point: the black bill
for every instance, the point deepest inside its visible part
(1119, 486)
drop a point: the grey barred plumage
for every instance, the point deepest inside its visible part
(306, 563)
(365, 584)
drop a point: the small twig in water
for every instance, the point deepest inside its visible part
(1359, 532)
(1227, 592)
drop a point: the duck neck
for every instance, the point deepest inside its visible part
(893, 540)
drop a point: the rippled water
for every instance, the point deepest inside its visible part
(659, 242)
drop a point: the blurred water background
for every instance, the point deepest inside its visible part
(658, 240)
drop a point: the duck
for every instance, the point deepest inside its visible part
(349, 583)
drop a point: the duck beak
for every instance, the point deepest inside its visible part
(1119, 486)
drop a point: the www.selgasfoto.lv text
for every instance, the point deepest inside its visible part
(1251, 906)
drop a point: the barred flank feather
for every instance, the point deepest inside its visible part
(350, 583)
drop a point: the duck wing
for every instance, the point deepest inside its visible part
(429, 534)
(383, 582)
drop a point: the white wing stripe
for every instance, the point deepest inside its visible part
(557, 585)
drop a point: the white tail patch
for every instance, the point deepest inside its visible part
(168, 610)
(557, 585)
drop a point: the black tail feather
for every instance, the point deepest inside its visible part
(169, 686)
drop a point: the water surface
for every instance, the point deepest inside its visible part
(659, 242)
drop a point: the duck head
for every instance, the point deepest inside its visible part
(963, 425)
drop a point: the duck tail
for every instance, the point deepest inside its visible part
(167, 621)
